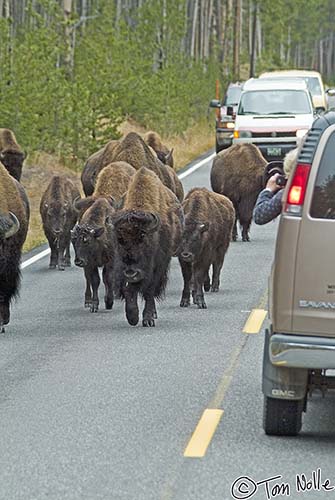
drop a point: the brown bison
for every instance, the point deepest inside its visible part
(163, 153)
(148, 231)
(58, 218)
(209, 220)
(93, 243)
(237, 173)
(11, 154)
(94, 164)
(14, 219)
(136, 152)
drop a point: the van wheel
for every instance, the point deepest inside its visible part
(282, 417)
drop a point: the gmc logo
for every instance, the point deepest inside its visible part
(283, 394)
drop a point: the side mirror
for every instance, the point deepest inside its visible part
(215, 103)
(330, 92)
(230, 110)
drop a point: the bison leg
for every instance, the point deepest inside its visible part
(95, 282)
(149, 311)
(4, 315)
(61, 250)
(107, 276)
(132, 313)
(67, 259)
(88, 291)
(53, 254)
(207, 282)
(186, 269)
(217, 266)
(245, 229)
(199, 278)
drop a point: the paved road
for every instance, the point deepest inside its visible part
(91, 408)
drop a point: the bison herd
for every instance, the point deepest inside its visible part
(132, 220)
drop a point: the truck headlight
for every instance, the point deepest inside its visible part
(228, 125)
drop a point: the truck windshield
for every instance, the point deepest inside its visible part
(274, 102)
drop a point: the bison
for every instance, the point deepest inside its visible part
(148, 231)
(93, 243)
(94, 164)
(58, 218)
(209, 220)
(11, 154)
(237, 173)
(14, 220)
(153, 140)
(133, 150)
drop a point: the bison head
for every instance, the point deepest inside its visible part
(137, 238)
(13, 161)
(193, 240)
(9, 225)
(85, 243)
(57, 216)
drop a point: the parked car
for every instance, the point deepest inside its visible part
(225, 122)
(314, 83)
(300, 340)
(273, 115)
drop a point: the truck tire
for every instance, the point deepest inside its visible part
(282, 417)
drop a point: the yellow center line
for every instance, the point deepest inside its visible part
(203, 434)
(255, 321)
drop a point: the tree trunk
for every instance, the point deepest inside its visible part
(236, 55)
(253, 41)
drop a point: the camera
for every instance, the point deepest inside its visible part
(281, 180)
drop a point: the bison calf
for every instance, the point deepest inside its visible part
(92, 239)
(209, 219)
(58, 218)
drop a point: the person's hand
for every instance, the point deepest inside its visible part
(272, 184)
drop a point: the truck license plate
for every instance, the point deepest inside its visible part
(274, 151)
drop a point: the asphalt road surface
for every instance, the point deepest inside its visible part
(91, 408)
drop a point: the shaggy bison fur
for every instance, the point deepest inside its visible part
(237, 173)
(133, 150)
(148, 232)
(209, 220)
(14, 220)
(94, 164)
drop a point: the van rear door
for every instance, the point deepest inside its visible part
(314, 281)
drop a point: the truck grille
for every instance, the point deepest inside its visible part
(273, 134)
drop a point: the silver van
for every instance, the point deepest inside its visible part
(299, 347)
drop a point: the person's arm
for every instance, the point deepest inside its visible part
(268, 206)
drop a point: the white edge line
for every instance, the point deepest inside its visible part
(46, 252)
(196, 166)
(34, 259)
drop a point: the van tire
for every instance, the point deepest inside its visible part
(282, 417)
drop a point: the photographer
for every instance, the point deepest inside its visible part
(269, 202)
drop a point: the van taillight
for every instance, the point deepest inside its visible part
(297, 190)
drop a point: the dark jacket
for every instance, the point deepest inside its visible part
(268, 206)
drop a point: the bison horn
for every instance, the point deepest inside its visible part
(153, 224)
(11, 226)
(2, 155)
(168, 156)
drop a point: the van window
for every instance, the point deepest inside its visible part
(323, 202)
